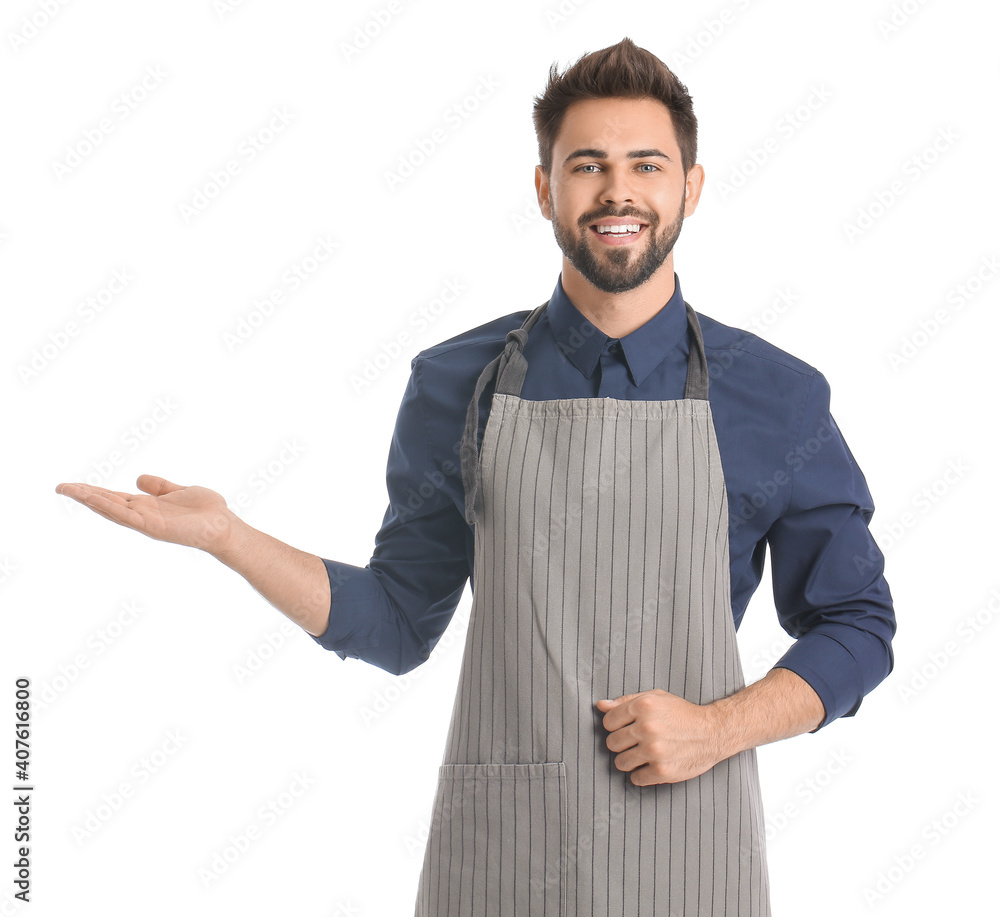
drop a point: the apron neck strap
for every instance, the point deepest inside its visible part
(513, 367)
(510, 368)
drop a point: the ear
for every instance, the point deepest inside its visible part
(542, 192)
(692, 188)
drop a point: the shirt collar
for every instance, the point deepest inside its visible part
(581, 342)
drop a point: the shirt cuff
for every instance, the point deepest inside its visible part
(356, 601)
(830, 669)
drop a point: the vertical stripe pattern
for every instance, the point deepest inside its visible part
(601, 569)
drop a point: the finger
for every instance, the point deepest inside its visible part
(631, 759)
(622, 739)
(80, 491)
(643, 776)
(624, 699)
(115, 511)
(112, 496)
(620, 714)
(76, 491)
(157, 486)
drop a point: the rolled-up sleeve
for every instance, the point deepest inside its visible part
(827, 571)
(392, 612)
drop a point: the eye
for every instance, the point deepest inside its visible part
(651, 166)
(589, 165)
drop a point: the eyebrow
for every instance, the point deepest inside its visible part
(591, 153)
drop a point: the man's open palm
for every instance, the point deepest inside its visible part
(194, 516)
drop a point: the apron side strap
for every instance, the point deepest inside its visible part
(510, 368)
(696, 386)
(469, 449)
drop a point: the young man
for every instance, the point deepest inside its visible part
(612, 500)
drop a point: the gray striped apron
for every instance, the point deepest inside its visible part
(601, 569)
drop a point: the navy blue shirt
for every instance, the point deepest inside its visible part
(791, 480)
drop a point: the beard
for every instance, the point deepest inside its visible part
(618, 269)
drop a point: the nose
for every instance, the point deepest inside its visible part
(617, 188)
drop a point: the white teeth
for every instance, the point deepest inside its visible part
(629, 227)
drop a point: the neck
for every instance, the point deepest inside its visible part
(619, 314)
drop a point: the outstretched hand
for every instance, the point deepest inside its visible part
(193, 516)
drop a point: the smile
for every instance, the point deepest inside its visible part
(618, 233)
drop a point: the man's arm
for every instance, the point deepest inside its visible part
(662, 738)
(294, 582)
(389, 613)
(830, 594)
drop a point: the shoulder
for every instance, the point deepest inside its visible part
(755, 385)
(481, 340)
(443, 378)
(458, 361)
(727, 344)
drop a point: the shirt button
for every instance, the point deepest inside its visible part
(614, 348)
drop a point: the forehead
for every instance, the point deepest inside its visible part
(616, 125)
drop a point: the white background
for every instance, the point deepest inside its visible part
(159, 703)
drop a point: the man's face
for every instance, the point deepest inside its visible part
(616, 164)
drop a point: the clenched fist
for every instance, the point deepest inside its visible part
(660, 737)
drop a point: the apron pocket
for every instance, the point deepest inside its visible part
(497, 843)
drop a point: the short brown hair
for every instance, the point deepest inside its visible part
(623, 71)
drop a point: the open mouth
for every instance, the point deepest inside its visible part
(618, 233)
